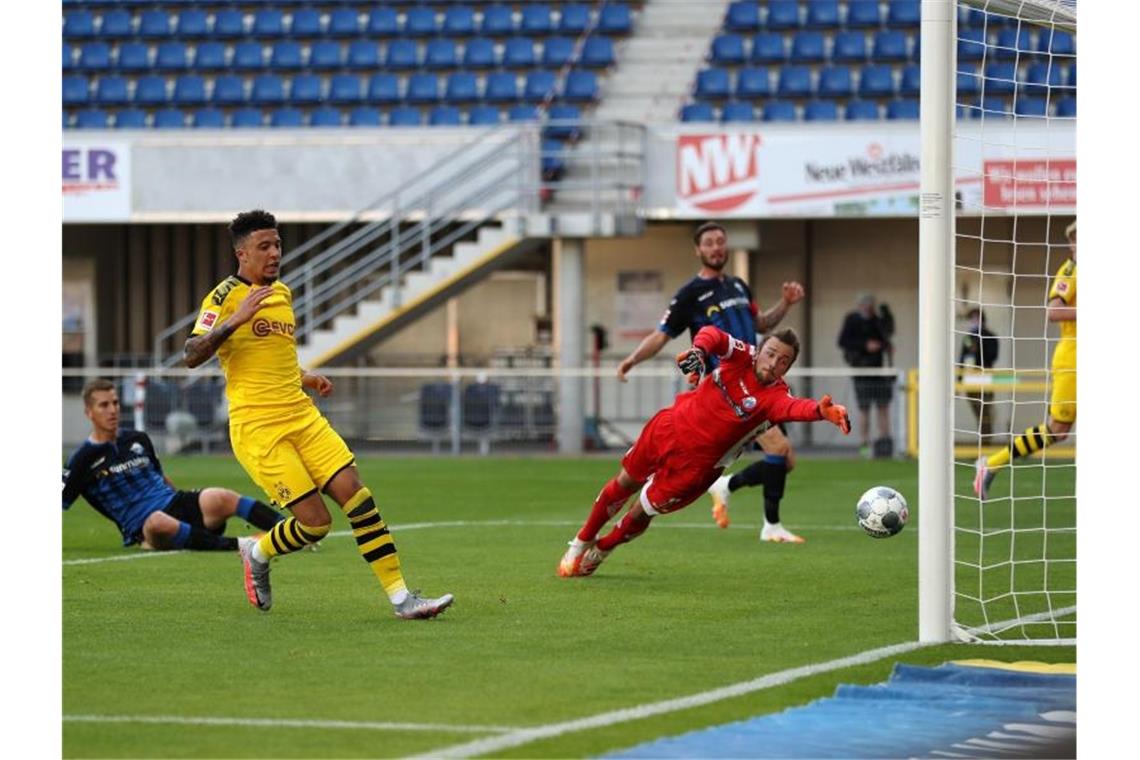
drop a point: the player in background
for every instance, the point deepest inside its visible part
(1062, 309)
(118, 473)
(686, 446)
(715, 298)
(278, 435)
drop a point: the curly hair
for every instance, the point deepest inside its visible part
(248, 222)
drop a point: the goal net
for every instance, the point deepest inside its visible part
(1014, 375)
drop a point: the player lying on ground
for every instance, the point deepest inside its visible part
(119, 474)
(686, 446)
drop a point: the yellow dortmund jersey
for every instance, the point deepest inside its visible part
(1065, 288)
(260, 358)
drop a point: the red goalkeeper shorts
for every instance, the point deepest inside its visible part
(677, 476)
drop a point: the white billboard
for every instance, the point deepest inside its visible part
(96, 181)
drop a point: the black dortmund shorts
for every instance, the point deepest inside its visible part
(184, 506)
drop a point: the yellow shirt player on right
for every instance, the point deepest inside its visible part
(1062, 309)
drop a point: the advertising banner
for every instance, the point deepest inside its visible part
(96, 181)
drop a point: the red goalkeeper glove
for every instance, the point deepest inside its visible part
(694, 363)
(836, 414)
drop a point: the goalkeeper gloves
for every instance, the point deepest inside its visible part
(836, 414)
(694, 363)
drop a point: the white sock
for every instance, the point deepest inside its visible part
(256, 552)
(398, 598)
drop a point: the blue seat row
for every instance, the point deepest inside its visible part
(1010, 44)
(811, 46)
(1037, 79)
(382, 21)
(749, 15)
(816, 110)
(290, 55)
(305, 89)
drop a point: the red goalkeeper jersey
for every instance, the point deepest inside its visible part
(730, 406)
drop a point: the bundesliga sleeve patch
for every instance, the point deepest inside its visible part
(207, 320)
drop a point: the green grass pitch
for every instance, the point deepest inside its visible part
(684, 609)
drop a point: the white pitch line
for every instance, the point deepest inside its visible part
(491, 745)
(285, 723)
(141, 554)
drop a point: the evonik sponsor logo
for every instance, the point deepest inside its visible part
(876, 163)
(718, 173)
(263, 327)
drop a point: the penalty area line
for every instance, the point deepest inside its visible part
(493, 744)
(286, 723)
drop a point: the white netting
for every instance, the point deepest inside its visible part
(1015, 169)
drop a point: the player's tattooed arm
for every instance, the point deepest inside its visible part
(199, 348)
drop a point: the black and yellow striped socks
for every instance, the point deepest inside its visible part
(1031, 441)
(290, 535)
(375, 543)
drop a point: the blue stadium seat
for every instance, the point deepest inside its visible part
(325, 116)
(346, 88)
(267, 90)
(783, 14)
(902, 109)
(285, 56)
(116, 23)
(835, 82)
(306, 89)
(93, 118)
(69, 58)
(536, 19)
(459, 21)
(445, 116)
(94, 56)
(497, 21)
(133, 57)
(1056, 42)
(78, 25)
(737, 112)
(615, 18)
(552, 160)
(768, 47)
(1040, 78)
(862, 14)
(994, 106)
(518, 53)
(287, 118)
(567, 118)
(382, 22)
(598, 52)
(1000, 79)
(501, 87)
(191, 24)
(539, 85)
(208, 118)
(1067, 108)
(244, 118)
(75, 91)
(971, 44)
(365, 54)
(154, 24)
(779, 110)
(980, 19)
(1071, 78)
(306, 24)
(1012, 44)
(150, 90)
(189, 90)
(903, 13)
(210, 55)
(422, 89)
(712, 84)
(876, 81)
(483, 115)
(969, 81)
(890, 45)
(849, 47)
(229, 23)
(1030, 106)
(172, 56)
(574, 19)
(556, 51)
(130, 118)
(268, 23)
(229, 90)
(400, 55)
(580, 86)
(405, 117)
(821, 110)
(345, 22)
(479, 53)
(743, 16)
(522, 113)
(697, 112)
(364, 116)
(383, 88)
(419, 21)
(753, 83)
(248, 56)
(794, 82)
(440, 54)
(822, 14)
(462, 87)
(911, 81)
(324, 55)
(807, 47)
(169, 118)
(727, 49)
(861, 110)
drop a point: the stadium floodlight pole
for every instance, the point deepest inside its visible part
(935, 303)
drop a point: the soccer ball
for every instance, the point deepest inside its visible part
(882, 512)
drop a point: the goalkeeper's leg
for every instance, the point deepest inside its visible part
(613, 496)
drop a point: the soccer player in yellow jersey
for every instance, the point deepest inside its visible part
(1062, 309)
(278, 434)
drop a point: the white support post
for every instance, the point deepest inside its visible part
(140, 401)
(936, 262)
(569, 319)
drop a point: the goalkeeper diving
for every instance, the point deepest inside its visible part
(686, 446)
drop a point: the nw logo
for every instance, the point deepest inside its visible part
(718, 172)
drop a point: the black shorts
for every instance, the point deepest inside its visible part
(873, 390)
(184, 506)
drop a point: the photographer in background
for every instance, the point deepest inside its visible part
(866, 342)
(979, 351)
